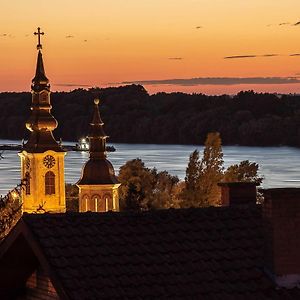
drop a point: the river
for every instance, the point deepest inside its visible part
(279, 165)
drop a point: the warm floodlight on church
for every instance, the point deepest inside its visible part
(42, 157)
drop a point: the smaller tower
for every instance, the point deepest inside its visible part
(98, 185)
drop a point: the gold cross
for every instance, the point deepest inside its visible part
(39, 33)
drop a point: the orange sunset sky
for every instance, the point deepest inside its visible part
(152, 42)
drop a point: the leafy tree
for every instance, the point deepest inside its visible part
(164, 194)
(190, 192)
(245, 171)
(211, 170)
(72, 197)
(143, 188)
(202, 177)
(192, 171)
(132, 199)
(138, 181)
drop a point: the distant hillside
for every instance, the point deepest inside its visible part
(133, 116)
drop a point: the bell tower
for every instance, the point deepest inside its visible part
(42, 158)
(98, 185)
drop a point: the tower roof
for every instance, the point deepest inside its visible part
(40, 76)
(96, 131)
(97, 170)
(97, 135)
(41, 123)
(40, 81)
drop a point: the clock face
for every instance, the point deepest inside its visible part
(27, 163)
(49, 161)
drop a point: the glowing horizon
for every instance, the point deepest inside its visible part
(107, 43)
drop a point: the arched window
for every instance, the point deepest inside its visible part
(97, 202)
(27, 183)
(108, 202)
(49, 183)
(84, 203)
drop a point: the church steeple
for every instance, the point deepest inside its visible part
(40, 81)
(97, 136)
(42, 157)
(41, 123)
(98, 185)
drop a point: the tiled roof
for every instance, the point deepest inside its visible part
(213, 253)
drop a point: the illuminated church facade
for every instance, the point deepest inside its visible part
(42, 158)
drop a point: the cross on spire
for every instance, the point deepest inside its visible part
(39, 33)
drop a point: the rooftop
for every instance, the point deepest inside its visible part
(211, 253)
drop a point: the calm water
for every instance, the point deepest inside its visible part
(279, 165)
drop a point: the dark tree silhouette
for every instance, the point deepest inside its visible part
(131, 115)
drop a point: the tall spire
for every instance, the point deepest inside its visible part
(41, 123)
(97, 170)
(97, 135)
(98, 184)
(40, 81)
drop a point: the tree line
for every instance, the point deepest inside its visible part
(143, 188)
(131, 115)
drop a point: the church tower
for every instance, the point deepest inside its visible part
(98, 185)
(42, 158)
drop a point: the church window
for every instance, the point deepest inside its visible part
(27, 183)
(108, 202)
(49, 183)
(84, 203)
(96, 199)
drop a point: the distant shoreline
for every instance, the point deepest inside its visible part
(131, 115)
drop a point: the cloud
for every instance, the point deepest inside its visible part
(268, 55)
(250, 56)
(218, 81)
(69, 36)
(282, 24)
(72, 84)
(85, 40)
(175, 58)
(199, 27)
(239, 56)
(296, 24)
(3, 35)
(295, 54)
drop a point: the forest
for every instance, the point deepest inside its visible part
(131, 115)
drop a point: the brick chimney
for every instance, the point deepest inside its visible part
(238, 193)
(281, 215)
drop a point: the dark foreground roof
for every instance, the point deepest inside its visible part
(213, 253)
